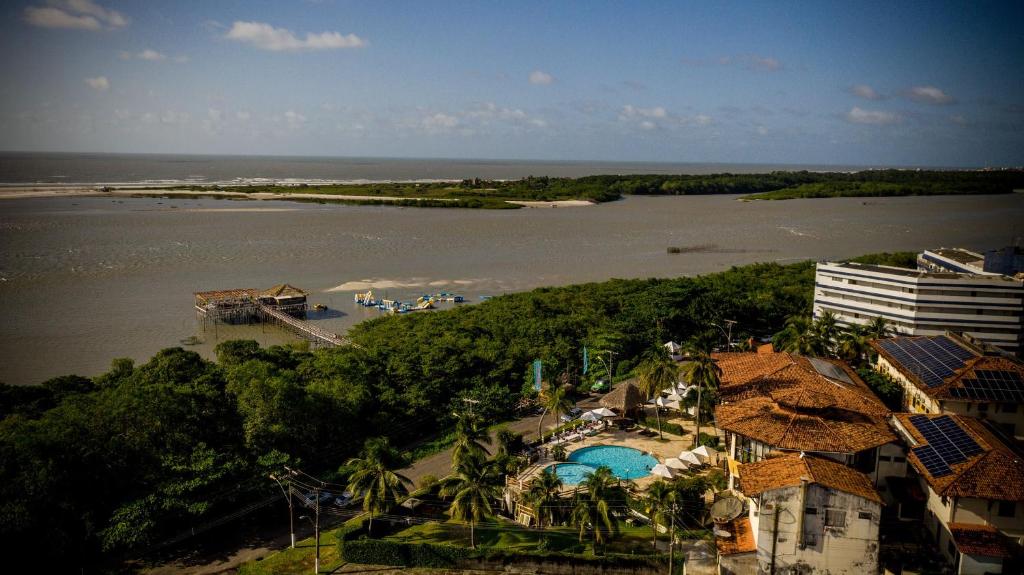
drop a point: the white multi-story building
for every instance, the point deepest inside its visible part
(916, 302)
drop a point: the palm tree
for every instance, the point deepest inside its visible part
(472, 486)
(543, 495)
(703, 373)
(657, 371)
(852, 344)
(797, 337)
(374, 477)
(470, 439)
(879, 328)
(556, 400)
(593, 509)
(659, 497)
(826, 328)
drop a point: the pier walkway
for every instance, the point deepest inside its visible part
(304, 329)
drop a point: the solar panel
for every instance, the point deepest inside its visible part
(932, 359)
(992, 385)
(948, 444)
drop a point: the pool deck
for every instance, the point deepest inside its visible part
(661, 450)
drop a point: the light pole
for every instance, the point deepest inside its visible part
(291, 511)
(728, 335)
(316, 529)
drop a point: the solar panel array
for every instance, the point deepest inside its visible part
(948, 444)
(932, 359)
(992, 385)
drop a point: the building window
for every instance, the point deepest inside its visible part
(1008, 407)
(812, 510)
(835, 518)
(951, 549)
(982, 408)
(863, 515)
(1007, 508)
(898, 459)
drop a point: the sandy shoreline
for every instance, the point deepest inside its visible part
(25, 192)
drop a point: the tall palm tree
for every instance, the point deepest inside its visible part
(556, 400)
(470, 439)
(879, 328)
(593, 509)
(797, 337)
(657, 371)
(826, 330)
(703, 373)
(852, 344)
(374, 477)
(656, 502)
(543, 496)
(473, 484)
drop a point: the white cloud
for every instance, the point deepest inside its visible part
(929, 95)
(860, 116)
(763, 63)
(147, 54)
(243, 116)
(762, 131)
(99, 83)
(702, 120)
(170, 117)
(865, 91)
(294, 119)
(748, 61)
(74, 15)
(648, 125)
(629, 111)
(266, 37)
(439, 122)
(541, 78)
(958, 120)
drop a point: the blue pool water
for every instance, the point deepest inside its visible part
(625, 463)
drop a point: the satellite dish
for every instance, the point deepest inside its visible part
(722, 533)
(726, 509)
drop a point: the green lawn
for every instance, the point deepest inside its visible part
(511, 536)
(299, 560)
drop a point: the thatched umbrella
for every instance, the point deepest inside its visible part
(624, 398)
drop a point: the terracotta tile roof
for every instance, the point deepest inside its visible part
(781, 400)
(787, 470)
(741, 538)
(995, 473)
(953, 387)
(982, 540)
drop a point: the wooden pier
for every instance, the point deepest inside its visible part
(283, 305)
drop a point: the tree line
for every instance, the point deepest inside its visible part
(91, 468)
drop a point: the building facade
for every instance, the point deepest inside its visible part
(974, 487)
(811, 515)
(989, 307)
(949, 374)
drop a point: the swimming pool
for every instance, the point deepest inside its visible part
(625, 463)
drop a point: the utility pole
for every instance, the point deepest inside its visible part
(611, 368)
(728, 343)
(775, 536)
(291, 511)
(671, 538)
(316, 529)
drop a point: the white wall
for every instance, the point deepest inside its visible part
(851, 548)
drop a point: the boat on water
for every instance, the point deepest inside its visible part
(320, 307)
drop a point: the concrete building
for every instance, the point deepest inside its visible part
(806, 514)
(780, 402)
(989, 307)
(974, 486)
(951, 374)
(1007, 261)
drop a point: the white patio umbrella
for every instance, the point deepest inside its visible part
(676, 463)
(672, 405)
(673, 347)
(590, 416)
(670, 390)
(690, 458)
(709, 454)
(662, 470)
(604, 412)
(674, 397)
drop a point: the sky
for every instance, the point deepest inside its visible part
(851, 83)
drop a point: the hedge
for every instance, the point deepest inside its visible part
(667, 427)
(397, 553)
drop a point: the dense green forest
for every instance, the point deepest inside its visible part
(476, 193)
(95, 468)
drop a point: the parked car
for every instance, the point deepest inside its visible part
(573, 414)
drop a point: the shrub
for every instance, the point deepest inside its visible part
(673, 428)
(707, 439)
(558, 452)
